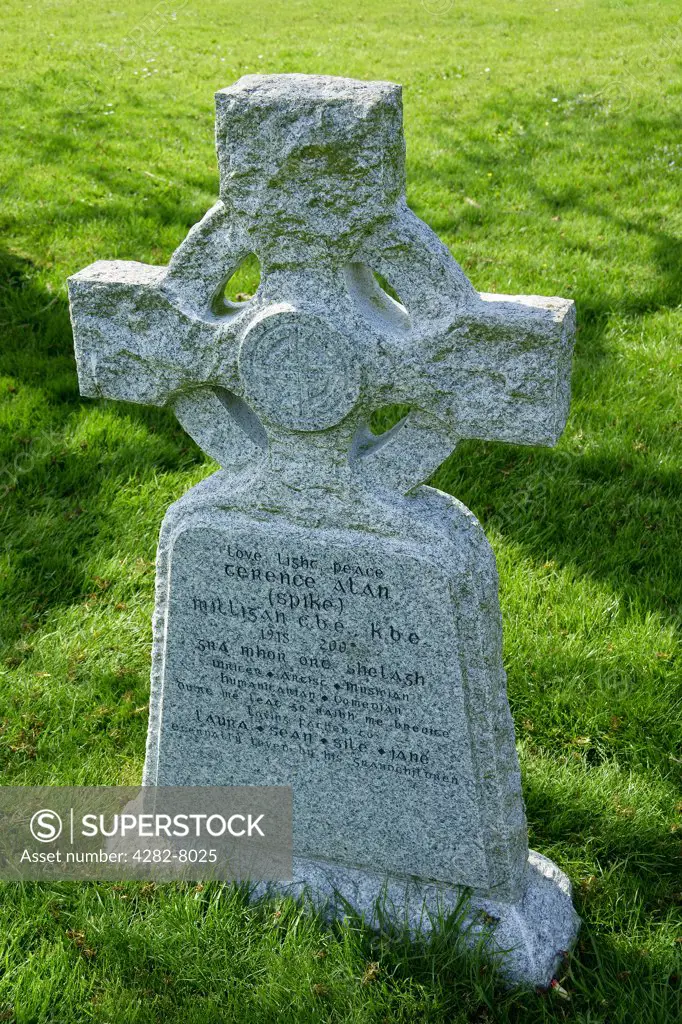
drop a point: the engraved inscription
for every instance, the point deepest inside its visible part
(315, 666)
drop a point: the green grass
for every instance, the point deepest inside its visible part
(543, 146)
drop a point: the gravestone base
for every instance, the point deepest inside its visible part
(526, 940)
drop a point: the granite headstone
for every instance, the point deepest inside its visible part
(322, 619)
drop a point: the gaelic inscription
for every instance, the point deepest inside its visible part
(308, 664)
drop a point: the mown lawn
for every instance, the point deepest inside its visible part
(544, 146)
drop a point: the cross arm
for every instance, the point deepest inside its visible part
(498, 368)
(501, 369)
(134, 343)
(495, 367)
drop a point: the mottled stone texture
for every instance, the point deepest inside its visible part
(309, 163)
(322, 620)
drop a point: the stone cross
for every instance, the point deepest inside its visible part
(323, 620)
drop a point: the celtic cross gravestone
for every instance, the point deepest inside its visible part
(322, 619)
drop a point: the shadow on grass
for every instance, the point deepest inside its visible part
(612, 519)
(571, 805)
